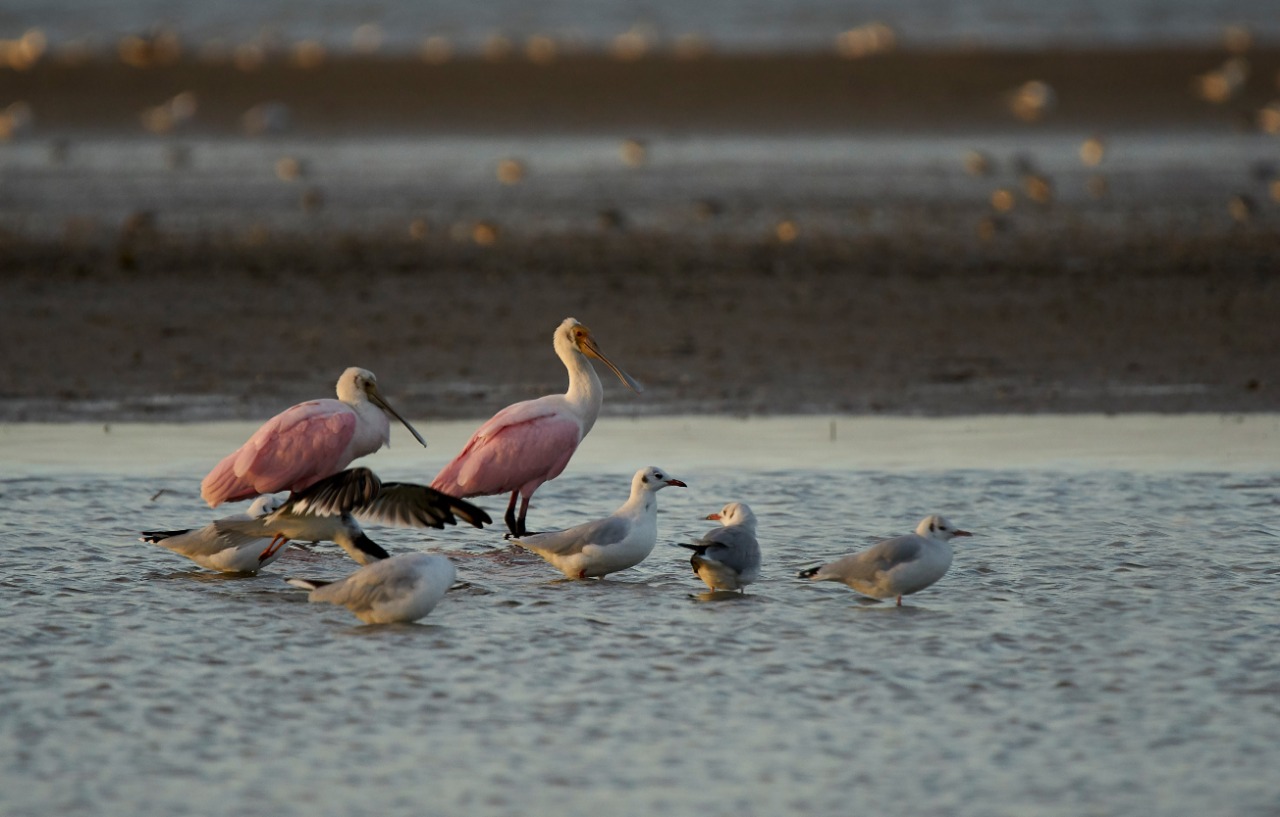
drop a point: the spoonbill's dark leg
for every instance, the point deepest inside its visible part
(899, 601)
(524, 510)
(511, 515)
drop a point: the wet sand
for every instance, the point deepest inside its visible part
(938, 92)
(1146, 443)
(764, 285)
(226, 330)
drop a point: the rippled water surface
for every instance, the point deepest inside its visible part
(1108, 643)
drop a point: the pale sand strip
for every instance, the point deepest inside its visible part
(1193, 442)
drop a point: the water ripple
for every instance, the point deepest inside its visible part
(1101, 631)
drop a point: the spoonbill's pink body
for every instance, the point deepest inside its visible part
(531, 442)
(306, 443)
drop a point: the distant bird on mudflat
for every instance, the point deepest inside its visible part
(898, 566)
(619, 541)
(306, 443)
(400, 589)
(531, 442)
(208, 548)
(728, 557)
(328, 510)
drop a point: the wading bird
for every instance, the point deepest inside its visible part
(306, 443)
(728, 557)
(531, 442)
(399, 589)
(895, 567)
(328, 510)
(620, 540)
(207, 546)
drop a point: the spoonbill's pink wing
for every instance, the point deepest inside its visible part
(289, 452)
(523, 446)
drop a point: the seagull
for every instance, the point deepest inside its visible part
(398, 589)
(306, 443)
(208, 548)
(530, 442)
(611, 544)
(328, 510)
(898, 566)
(728, 557)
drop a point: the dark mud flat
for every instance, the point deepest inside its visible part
(781, 93)
(802, 237)
(179, 329)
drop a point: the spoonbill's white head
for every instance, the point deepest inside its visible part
(266, 504)
(356, 384)
(572, 335)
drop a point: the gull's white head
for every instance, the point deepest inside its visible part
(937, 527)
(654, 478)
(571, 336)
(266, 504)
(357, 385)
(735, 513)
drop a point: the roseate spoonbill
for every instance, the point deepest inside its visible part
(327, 511)
(898, 566)
(728, 557)
(529, 443)
(307, 443)
(208, 548)
(399, 589)
(620, 540)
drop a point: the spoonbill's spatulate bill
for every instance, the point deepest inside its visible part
(898, 566)
(402, 588)
(307, 443)
(208, 548)
(531, 442)
(728, 557)
(328, 510)
(620, 540)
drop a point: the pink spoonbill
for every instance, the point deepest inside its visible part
(306, 443)
(531, 442)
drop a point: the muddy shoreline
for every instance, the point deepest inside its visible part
(951, 91)
(187, 276)
(228, 330)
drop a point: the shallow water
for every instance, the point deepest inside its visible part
(833, 185)
(1108, 642)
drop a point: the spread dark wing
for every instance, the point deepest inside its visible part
(418, 506)
(341, 493)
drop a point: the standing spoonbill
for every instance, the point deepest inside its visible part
(898, 566)
(306, 443)
(621, 540)
(728, 557)
(327, 511)
(529, 443)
